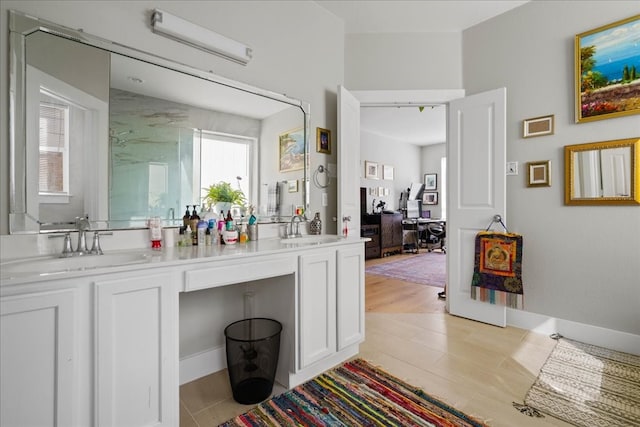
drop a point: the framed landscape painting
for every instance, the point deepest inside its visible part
(607, 71)
(291, 150)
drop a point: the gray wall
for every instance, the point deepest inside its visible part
(431, 162)
(403, 157)
(298, 50)
(580, 263)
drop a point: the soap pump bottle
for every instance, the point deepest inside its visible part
(186, 217)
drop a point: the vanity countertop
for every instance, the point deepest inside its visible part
(44, 268)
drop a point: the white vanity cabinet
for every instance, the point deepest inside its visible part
(101, 347)
(38, 359)
(331, 295)
(136, 357)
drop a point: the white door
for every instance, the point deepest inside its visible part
(348, 162)
(476, 153)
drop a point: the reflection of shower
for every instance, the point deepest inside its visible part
(114, 138)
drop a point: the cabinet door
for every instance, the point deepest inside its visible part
(350, 296)
(317, 331)
(397, 229)
(136, 360)
(37, 359)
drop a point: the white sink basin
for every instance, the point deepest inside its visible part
(311, 240)
(51, 265)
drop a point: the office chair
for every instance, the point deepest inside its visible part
(436, 234)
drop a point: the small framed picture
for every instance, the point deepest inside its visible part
(370, 170)
(292, 185)
(538, 126)
(380, 191)
(323, 140)
(430, 198)
(539, 174)
(430, 181)
(387, 172)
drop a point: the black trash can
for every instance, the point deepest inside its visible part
(253, 346)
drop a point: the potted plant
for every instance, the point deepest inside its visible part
(222, 196)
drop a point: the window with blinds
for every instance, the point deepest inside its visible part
(54, 149)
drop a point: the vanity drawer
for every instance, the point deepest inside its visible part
(238, 272)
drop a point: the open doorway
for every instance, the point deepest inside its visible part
(408, 139)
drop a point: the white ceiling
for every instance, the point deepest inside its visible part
(408, 124)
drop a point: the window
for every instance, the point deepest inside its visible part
(54, 149)
(226, 158)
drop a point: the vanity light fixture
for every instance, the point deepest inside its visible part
(196, 36)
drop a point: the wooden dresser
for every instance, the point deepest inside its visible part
(389, 233)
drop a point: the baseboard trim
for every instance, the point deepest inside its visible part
(595, 335)
(201, 364)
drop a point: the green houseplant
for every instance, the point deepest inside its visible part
(223, 193)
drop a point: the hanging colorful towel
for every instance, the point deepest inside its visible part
(497, 275)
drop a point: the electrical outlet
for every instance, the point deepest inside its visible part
(512, 168)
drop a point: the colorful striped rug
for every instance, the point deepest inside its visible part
(354, 394)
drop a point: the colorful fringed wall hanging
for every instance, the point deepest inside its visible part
(497, 275)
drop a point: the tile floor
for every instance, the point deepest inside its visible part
(477, 368)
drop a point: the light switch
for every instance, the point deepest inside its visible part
(512, 168)
(325, 199)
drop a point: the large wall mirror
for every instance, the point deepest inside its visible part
(121, 135)
(602, 173)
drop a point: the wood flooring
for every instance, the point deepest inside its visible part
(477, 368)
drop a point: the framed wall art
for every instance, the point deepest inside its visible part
(538, 126)
(430, 198)
(539, 174)
(430, 181)
(291, 150)
(607, 71)
(292, 185)
(370, 170)
(387, 172)
(323, 140)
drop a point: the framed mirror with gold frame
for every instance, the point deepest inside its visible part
(602, 173)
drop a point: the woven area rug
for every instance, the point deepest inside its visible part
(354, 394)
(426, 268)
(586, 385)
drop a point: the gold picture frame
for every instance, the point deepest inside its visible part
(604, 72)
(539, 174)
(323, 140)
(538, 126)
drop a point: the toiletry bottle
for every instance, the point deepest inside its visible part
(155, 232)
(229, 221)
(202, 229)
(188, 238)
(207, 237)
(185, 218)
(243, 233)
(221, 227)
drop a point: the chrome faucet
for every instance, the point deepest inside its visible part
(82, 225)
(297, 226)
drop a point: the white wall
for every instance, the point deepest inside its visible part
(580, 263)
(403, 157)
(431, 162)
(298, 50)
(403, 61)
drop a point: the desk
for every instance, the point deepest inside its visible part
(428, 233)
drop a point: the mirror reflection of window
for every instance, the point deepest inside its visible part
(226, 158)
(54, 149)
